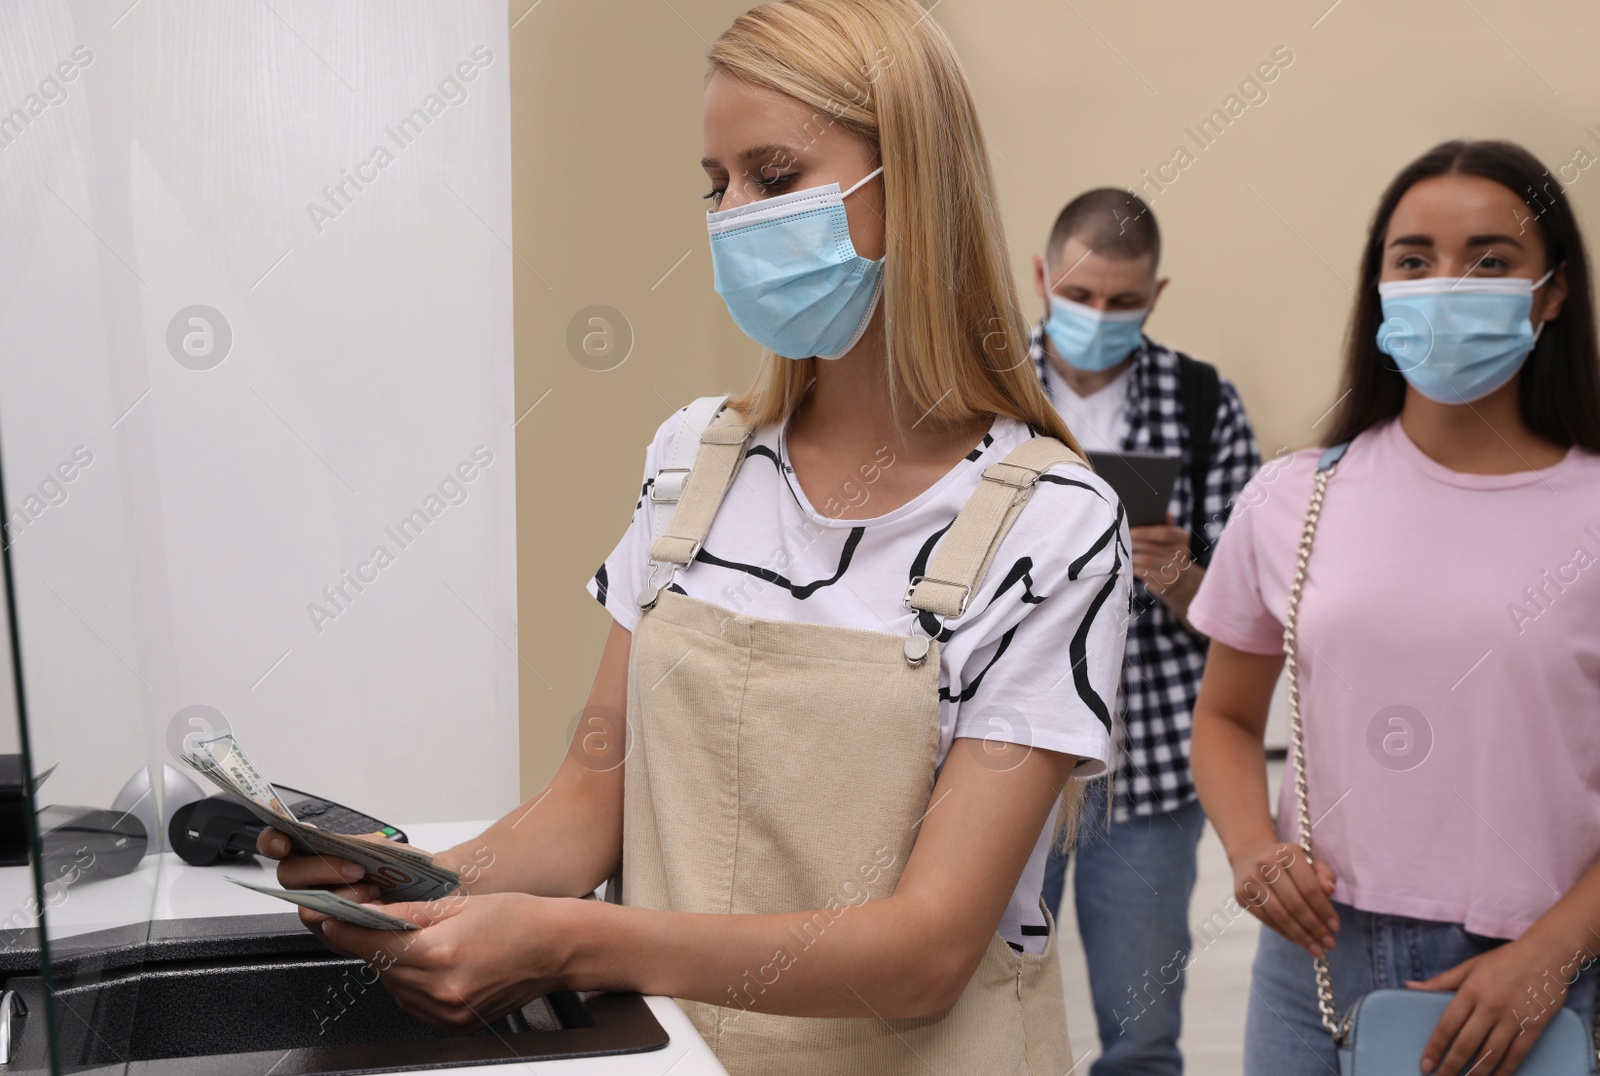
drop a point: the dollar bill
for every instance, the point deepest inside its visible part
(400, 872)
(223, 753)
(399, 876)
(327, 903)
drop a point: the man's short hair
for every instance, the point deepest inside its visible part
(1111, 222)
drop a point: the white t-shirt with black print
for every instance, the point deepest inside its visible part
(1035, 660)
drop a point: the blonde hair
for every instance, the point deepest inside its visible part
(957, 340)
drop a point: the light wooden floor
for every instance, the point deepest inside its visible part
(1218, 979)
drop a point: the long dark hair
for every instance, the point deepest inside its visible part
(1559, 393)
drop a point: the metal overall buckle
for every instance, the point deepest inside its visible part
(917, 646)
(652, 590)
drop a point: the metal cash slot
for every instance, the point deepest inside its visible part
(244, 995)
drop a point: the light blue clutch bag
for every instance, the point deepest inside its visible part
(1385, 1031)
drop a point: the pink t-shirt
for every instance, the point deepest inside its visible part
(1449, 672)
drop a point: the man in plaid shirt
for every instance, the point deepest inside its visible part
(1120, 391)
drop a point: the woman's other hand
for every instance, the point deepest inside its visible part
(1286, 890)
(475, 959)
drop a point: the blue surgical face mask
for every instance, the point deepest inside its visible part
(1457, 339)
(790, 275)
(1091, 339)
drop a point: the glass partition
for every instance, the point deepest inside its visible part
(23, 894)
(256, 441)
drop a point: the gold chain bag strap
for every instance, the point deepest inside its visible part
(1540, 1061)
(1308, 531)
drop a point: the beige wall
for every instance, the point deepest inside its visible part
(1262, 229)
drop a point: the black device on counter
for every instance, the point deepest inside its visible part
(88, 842)
(219, 830)
(13, 812)
(79, 842)
(1143, 481)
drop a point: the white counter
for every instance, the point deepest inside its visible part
(165, 887)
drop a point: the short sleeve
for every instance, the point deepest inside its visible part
(1229, 606)
(1042, 663)
(618, 581)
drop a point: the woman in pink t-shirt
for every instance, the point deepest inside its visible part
(1448, 638)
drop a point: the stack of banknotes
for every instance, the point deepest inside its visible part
(400, 872)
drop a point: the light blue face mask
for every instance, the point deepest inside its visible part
(790, 275)
(1457, 339)
(1091, 339)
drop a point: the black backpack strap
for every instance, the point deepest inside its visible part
(1200, 390)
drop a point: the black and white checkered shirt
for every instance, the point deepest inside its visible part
(1164, 662)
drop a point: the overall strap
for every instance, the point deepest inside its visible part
(962, 559)
(668, 484)
(715, 463)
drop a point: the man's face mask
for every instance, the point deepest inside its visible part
(1091, 339)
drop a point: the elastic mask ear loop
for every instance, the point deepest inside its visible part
(1049, 289)
(860, 181)
(862, 328)
(1537, 285)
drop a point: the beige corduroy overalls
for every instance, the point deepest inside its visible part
(779, 766)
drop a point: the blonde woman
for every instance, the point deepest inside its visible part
(859, 678)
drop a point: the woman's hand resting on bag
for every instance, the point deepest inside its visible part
(1504, 1000)
(1289, 893)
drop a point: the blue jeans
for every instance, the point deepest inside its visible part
(1283, 1032)
(1132, 892)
